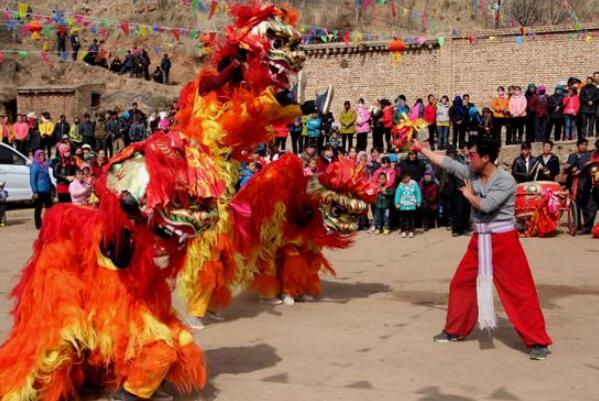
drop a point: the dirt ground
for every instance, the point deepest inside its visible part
(369, 337)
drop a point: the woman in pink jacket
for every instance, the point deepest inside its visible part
(571, 108)
(362, 125)
(20, 130)
(517, 106)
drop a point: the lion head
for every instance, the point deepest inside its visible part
(269, 44)
(343, 192)
(167, 182)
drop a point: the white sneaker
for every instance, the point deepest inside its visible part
(306, 298)
(270, 301)
(288, 300)
(403, 235)
(195, 323)
(215, 315)
(411, 235)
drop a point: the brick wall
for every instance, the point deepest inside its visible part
(367, 70)
(54, 103)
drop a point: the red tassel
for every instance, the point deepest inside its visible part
(393, 9)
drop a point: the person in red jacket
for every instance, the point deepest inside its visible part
(540, 107)
(387, 122)
(430, 116)
(571, 107)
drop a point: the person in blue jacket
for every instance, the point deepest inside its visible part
(313, 127)
(408, 198)
(41, 186)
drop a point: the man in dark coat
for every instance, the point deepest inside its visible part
(548, 163)
(524, 166)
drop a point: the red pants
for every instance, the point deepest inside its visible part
(515, 286)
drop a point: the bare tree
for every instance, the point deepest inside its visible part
(546, 12)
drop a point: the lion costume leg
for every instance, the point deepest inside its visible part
(50, 334)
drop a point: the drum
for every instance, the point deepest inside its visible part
(528, 196)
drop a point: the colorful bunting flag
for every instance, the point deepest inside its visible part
(23, 54)
(125, 27)
(441, 41)
(22, 10)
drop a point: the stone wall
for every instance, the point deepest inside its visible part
(367, 70)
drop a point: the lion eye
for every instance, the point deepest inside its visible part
(337, 210)
(277, 43)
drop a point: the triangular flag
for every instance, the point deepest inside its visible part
(23, 53)
(45, 57)
(1, 57)
(93, 29)
(213, 6)
(125, 27)
(104, 23)
(176, 33)
(22, 10)
(441, 41)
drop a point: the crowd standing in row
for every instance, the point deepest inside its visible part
(412, 194)
(74, 152)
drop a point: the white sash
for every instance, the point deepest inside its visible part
(484, 281)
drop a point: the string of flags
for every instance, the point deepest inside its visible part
(43, 27)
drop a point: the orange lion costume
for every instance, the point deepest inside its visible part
(93, 305)
(230, 109)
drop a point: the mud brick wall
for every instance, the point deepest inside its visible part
(367, 69)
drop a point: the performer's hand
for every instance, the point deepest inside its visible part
(467, 189)
(417, 146)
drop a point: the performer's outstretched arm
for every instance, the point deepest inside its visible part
(453, 167)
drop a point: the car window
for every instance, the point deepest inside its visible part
(7, 156)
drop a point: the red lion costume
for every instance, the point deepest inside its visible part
(93, 305)
(278, 250)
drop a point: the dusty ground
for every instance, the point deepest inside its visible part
(369, 337)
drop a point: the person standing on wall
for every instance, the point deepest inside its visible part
(430, 116)
(589, 100)
(501, 112)
(347, 125)
(556, 114)
(362, 126)
(531, 92)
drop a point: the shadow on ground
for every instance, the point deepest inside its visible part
(233, 361)
(246, 305)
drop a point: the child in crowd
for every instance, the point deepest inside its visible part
(407, 199)
(78, 189)
(90, 182)
(430, 197)
(248, 172)
(387, 170)
(487, 128)
(382, 207)
(311, 168)
(335, 140)
(3, 201)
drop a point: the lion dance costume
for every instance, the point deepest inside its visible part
(93, 305)
(234, 106)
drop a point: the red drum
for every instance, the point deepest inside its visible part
(529, 196)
